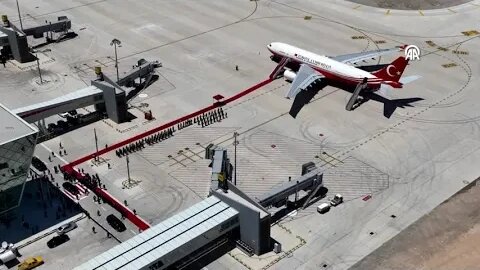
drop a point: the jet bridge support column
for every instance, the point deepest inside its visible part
(115, 98)
(355, 94)
(17, 42)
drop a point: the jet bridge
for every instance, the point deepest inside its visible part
(106, 94)
(311, 180)
(14, 40)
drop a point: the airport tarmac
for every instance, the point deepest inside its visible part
(408, 163)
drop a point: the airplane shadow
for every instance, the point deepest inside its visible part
(304, 97)
(389, 105)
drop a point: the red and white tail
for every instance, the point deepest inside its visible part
(391, 74)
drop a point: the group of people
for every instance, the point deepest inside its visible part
(160, 136)
(211, 117)
(138, 145)
(133, 147)
(185, 124)
(203, 120)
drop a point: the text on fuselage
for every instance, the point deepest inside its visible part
(313, 62)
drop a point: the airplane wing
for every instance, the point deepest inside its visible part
(305, 76)
(353, 58)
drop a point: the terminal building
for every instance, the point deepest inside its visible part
(227, 216)
(17, 144)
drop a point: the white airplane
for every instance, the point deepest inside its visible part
(339, 69)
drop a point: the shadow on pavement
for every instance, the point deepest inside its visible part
(43, 205)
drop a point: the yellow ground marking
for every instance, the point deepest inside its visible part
(449, 65)
(421, 13)
(470, 33)
(460, 52)
(431, 43)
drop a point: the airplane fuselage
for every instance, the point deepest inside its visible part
(335, 71)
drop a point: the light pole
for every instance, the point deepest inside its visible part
(19, 16)
(114, 43)
(96, 144)
(128, 169)
(235, 143)
(39, 70)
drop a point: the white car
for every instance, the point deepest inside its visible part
(323, 208)
(64, 115)
(66, 228)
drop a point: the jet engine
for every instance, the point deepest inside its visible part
(289, 75)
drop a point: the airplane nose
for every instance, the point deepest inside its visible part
(270, 48)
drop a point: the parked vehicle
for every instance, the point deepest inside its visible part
(62, 124)
(323, 208)
(116, 223)
(66, 227)
(72, 120)
(338, 199)
(70, 188)
(30, 263)
(51, 127)
(57, 240)
(38, 164)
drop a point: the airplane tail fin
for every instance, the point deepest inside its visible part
(392, 72)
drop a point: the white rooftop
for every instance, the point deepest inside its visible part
(171, 234)
(12, 126)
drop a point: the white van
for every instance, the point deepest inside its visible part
(323, 208)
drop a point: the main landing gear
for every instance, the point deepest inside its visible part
(354, 98)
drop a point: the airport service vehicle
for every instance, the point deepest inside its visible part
(57, 240)
(337, 199)
(30, 263)
(116, 223)
(70, 188)
(323, 208)
(66, 227)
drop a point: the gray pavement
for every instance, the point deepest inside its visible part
(411, 4)
(408, 163)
